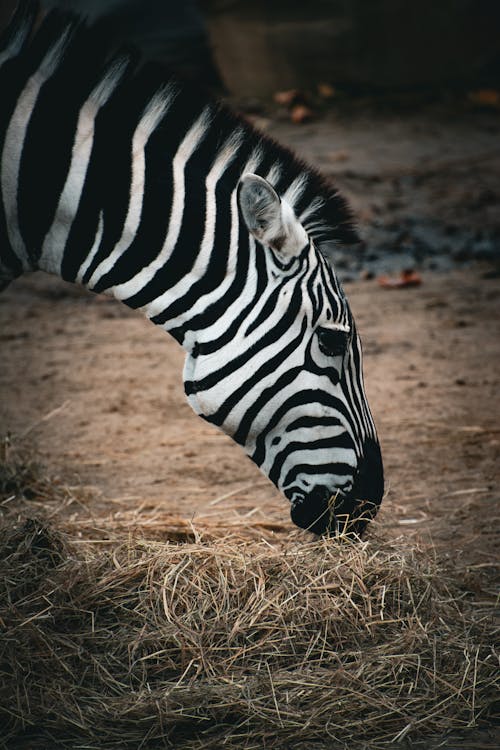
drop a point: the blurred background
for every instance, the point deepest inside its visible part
(362, 45)
(261, 46)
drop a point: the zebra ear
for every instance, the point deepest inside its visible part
(270, 219)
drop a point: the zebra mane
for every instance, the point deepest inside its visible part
(66, 38)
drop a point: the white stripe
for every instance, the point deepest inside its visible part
(224, 158)
(15, 44)
(95, 246)
(188, 145)
(152, 116)
(56, 238)
(302, 435)
(14, 142)
(295, 190)
(312, 457)
(220, 326)
(274, 173)
(202, 303)
(333, 481)
(253, 160)
(310, 212)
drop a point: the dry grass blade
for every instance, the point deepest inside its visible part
(227, 639)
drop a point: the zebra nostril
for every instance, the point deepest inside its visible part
(313, 512)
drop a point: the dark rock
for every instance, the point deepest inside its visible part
(365, 275)
(486, 250)
(441, 263)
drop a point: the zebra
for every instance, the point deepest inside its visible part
(117, 177)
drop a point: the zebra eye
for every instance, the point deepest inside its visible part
(332, 342)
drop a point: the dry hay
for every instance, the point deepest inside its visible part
(228, 640)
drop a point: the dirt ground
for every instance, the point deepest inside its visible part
(96, 391)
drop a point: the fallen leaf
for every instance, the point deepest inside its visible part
(287, 98)
(340, 155)
(405, 279)
(489, 98)
(300, 113)
(326, 90)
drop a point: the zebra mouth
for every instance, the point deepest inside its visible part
(315, 512)
(331, 513)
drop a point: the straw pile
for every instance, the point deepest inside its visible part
(227, 640)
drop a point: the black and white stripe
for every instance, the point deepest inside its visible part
(120, 179)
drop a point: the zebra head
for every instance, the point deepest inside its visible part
(284, 379)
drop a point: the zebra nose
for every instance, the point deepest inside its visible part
(312, 512)
(327, 511)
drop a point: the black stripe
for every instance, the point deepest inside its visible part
(319, 305)
(216, 269)
(184, 254)
(332, 443)
(260, 374)
(305, 422)
(14, 74)
(9, 74)
(107, 187)
(153, 225)
(216, 309)
(212, 313)
(300, 398)
(48, 144)
(241, 360)
(269, 306)
(341, 470)
(105, 190)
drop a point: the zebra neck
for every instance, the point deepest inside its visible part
(131, 188)
(114, 189)
(174, 250)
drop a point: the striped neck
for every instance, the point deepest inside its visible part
(125, 175)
